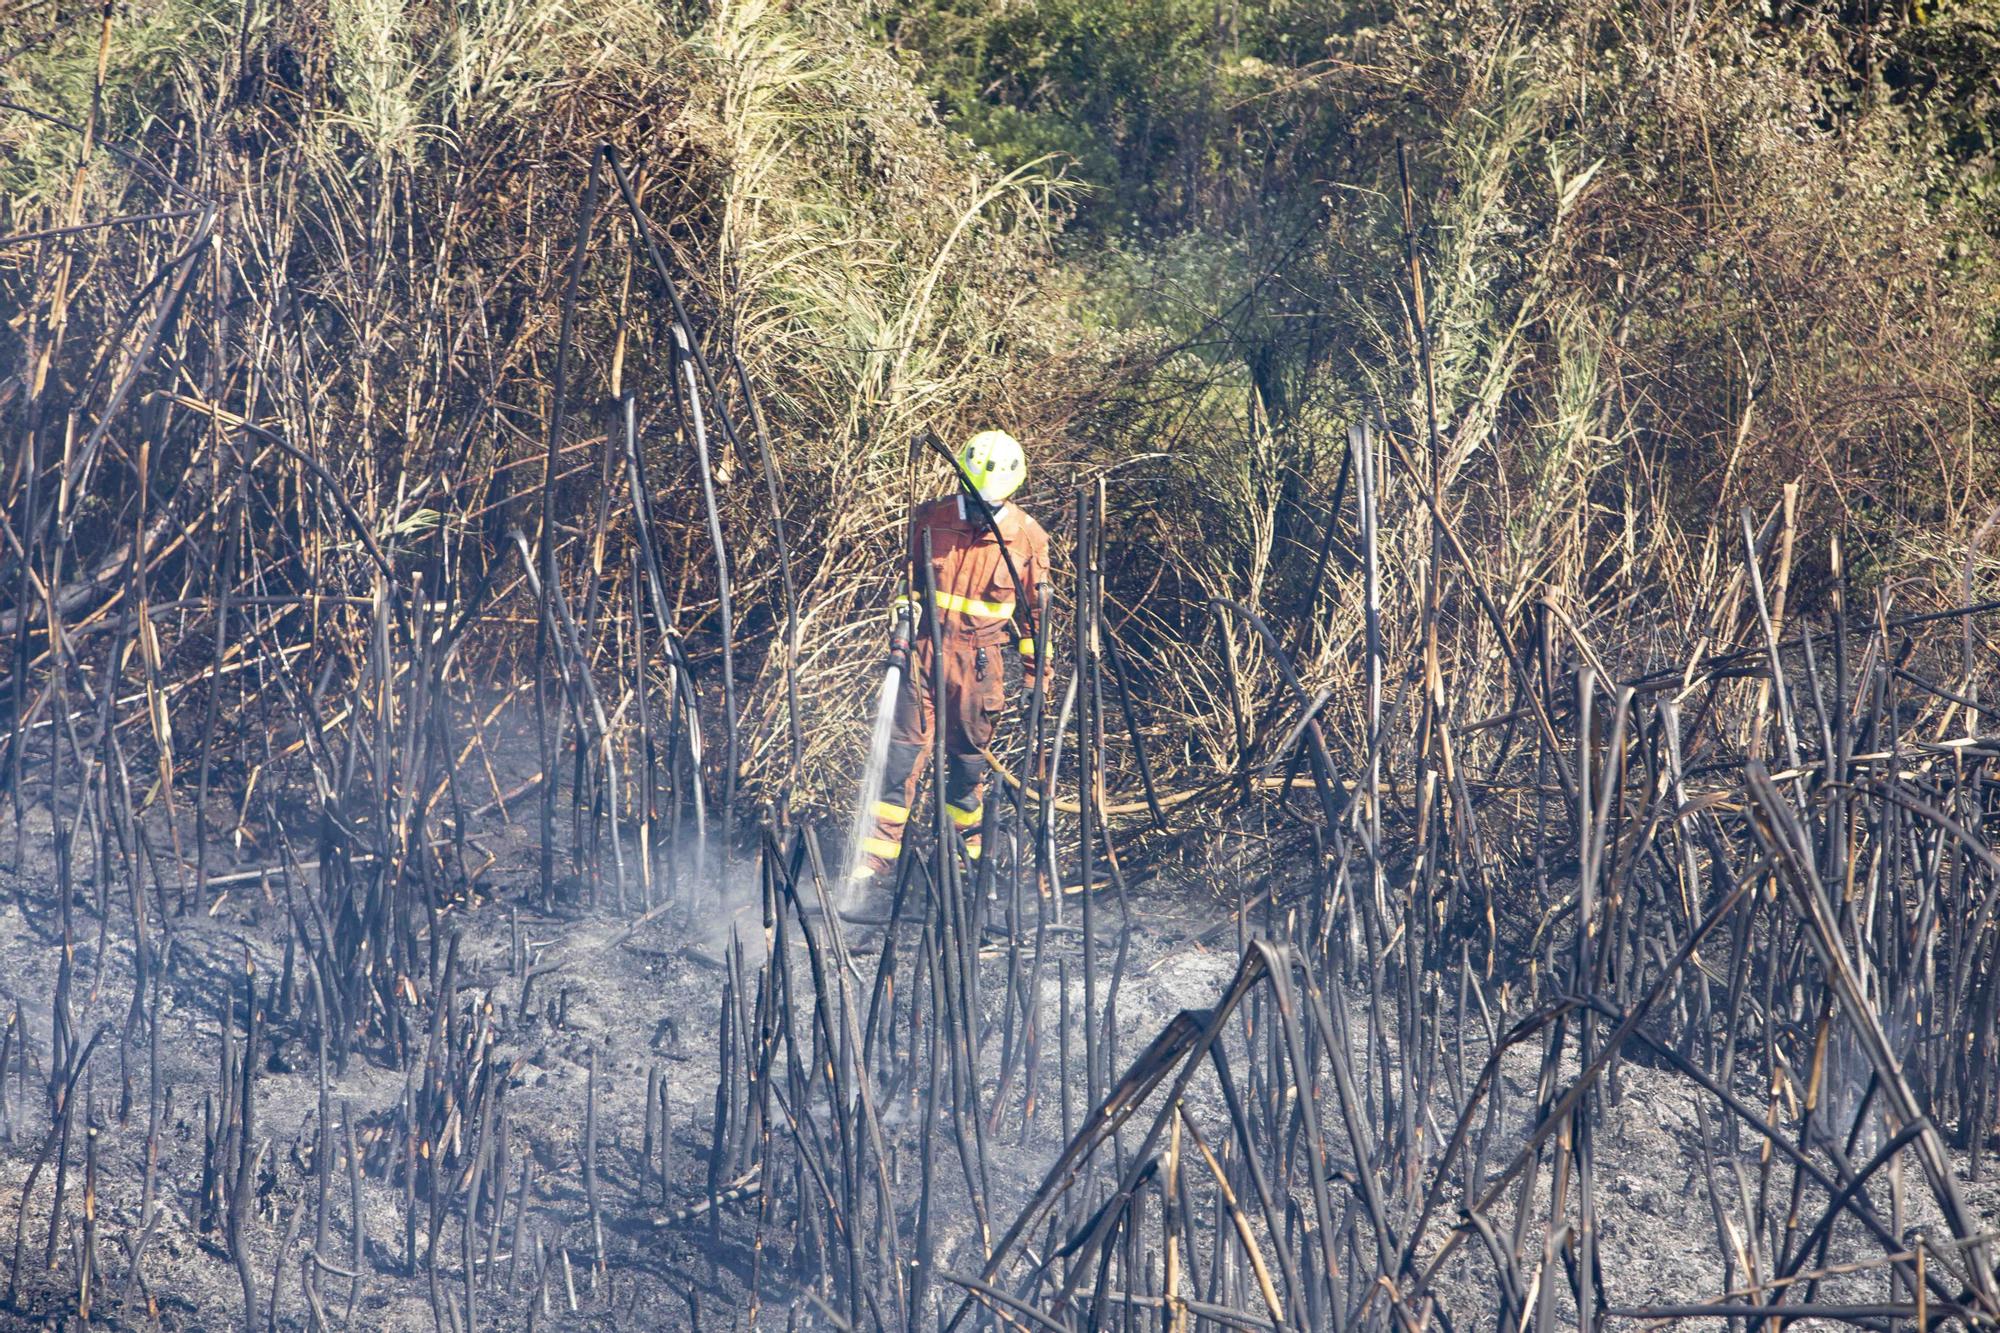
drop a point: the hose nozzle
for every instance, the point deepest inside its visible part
(901, 627)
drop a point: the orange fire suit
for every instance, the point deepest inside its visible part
(978, 611)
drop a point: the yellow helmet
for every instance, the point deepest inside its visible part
(994, 464)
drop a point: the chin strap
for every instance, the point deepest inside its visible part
(997, 508)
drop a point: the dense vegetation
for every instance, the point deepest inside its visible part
(1659, 264)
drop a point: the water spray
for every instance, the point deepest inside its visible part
(893, 672)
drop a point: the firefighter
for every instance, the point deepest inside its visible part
(980, 611)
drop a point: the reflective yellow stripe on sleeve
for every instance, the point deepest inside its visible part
(882, 847)
(962, 818)
(972, 606)
(1027, 647)
(895, 814)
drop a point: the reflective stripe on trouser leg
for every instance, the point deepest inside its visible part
(967, 823)
(882, 847)
(965, 788)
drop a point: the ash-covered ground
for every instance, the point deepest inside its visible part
(640, 997)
